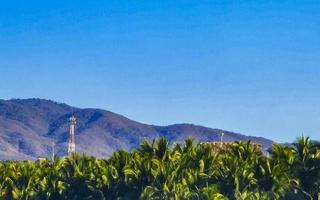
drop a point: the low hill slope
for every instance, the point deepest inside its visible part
(29, 128)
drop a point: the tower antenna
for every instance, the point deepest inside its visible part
(221, 139)
(53, 150)
(72, 145)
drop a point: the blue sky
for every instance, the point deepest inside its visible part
(246, 66)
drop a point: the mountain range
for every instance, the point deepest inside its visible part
(29, 128)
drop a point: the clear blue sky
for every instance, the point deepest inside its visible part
(246, 66)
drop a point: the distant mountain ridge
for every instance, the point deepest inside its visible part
(29, 128)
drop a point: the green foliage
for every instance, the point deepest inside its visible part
(185, 171)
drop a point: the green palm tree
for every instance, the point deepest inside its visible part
(307, 166)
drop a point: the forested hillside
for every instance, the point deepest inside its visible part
(29, 128)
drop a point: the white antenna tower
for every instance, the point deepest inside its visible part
(221, 137)
(53, 150)
(72, 144)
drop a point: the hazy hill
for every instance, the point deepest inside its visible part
(29, 127)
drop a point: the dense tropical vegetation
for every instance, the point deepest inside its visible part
(185, 171)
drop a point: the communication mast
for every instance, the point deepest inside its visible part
(72, 144)
(53, 150)
(221, 139)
